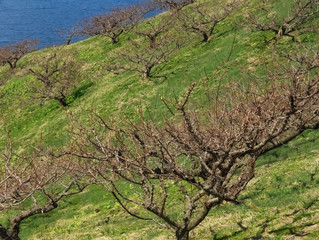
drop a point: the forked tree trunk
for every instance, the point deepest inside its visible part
(147, 72)
(182, 234)
(115, 37)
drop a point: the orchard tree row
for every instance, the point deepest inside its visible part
(156, 39)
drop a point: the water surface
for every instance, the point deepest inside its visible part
(30, 19)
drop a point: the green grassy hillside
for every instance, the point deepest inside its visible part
(281, 202)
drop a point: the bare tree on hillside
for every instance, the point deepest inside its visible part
(206, 156)
(142, 58)
(12, 53)
(25, 181)
(68, 34)
(202, 18)
(264, 18)
(112, 25)
(55, 77)
(172, 5)
(153, 29)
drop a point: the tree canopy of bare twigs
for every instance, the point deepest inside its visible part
(12, 53)
(69, 34)
(55, 77)
(153, 29)
(296, 18)
(208, 153)
(172, 5)
(113, 24)
(33, 178)
(142, 57)
(202, 17)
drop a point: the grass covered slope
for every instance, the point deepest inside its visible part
(280, 202)
(114, 95)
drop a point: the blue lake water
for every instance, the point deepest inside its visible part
(30, 19)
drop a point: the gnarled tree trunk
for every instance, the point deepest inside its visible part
(4, 233)
(12, 233)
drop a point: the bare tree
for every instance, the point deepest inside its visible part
(172, 5)
(152, 29)
(203, 17)
(69, 34)
(296, 17)
(56, 77)
(141, 57)
(12, 53)
(115, 23)
(39, 175)
(207, 155)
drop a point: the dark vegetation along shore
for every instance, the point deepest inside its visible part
(198, 123)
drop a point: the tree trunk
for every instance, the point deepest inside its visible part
(279, 33)
(14, 235)
(152, 42)
(205, 37)
(62, 102)
(4, 234)
(68, 41)
(182, 234)
(146, 73)
(114, 40)
(12, 65)
(13, 232)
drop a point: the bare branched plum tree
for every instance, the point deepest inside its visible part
(143, 57)
(112, 25)
(203, 17)
(295, 19)
(12, 53)
(172, 5)
(201, 157)
(55, 77)
(152, 30)
(69, 34)
(25, 181)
